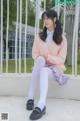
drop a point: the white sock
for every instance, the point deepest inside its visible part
(44, 73)
(39, 63)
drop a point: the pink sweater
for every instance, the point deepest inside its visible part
(55, 55)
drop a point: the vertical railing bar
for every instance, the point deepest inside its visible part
(20, 36)
(25, 36)
(75, 41)
(7, 32)
(58, 11)
(56, 1)
(16, 37)
(37, 15)
(1, 68)
(38, 3)
(73, 50)
(44, 5)
(36, 19)
(64, 22)
(76, 37)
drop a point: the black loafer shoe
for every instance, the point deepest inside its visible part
(37, 113)
(30, 104)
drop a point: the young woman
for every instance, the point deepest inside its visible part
(49, 52)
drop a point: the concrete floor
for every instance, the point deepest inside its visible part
(57, 109)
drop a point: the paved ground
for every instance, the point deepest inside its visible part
(57, 109)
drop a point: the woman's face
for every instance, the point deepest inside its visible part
(48, 23)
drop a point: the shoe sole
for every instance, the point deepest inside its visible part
(38, 117)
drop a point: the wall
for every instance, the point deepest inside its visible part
(18, 85)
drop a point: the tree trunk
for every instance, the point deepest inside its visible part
(69, 35)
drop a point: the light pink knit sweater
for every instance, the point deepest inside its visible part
(55, 55)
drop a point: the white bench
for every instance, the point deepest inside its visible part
(18, 85)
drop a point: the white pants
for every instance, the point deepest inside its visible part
(40, 72)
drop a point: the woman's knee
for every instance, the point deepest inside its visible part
(40, 58)
(40, 61)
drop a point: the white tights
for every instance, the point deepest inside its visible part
(40, 72)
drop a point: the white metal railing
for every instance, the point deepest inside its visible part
(19, 21)
(75, 32)
(1, 46)
(7, 33)
(16, 37)
(75, 39)
(25, 35)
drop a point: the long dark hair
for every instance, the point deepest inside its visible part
(57, 36)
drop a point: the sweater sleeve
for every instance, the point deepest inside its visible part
(35, 47)
(61, 57)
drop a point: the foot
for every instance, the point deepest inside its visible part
(30, 104)
(63, 80)
(37, 113)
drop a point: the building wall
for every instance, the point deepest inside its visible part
(11, 46)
